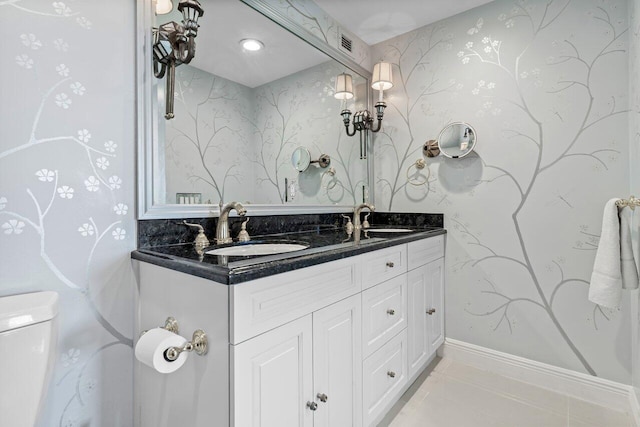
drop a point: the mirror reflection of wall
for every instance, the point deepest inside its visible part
(455, 141)
(236, 126)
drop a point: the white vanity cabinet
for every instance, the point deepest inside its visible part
(305, 373)
(335, 344)
(426, 302)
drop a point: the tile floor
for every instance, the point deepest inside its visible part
(451, 394)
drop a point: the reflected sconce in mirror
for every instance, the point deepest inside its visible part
(174, 44)
(382, 80)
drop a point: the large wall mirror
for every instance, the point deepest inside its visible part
(240, 115)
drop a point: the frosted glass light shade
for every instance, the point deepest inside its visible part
(163, 7)
(344, 86)
(382, 78)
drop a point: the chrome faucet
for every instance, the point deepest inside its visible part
(357, 225)
(222, 230)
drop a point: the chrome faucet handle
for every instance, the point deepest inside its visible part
(243, 236)
(201, 239)
(365, 223)
(348, 227)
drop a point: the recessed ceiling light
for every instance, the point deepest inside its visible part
(251, 44)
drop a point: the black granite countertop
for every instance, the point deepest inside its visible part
(325, 243)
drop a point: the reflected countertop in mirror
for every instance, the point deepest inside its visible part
(239, 116)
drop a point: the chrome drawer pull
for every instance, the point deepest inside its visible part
(391, 312)
(430, 312)
(390, 264)
(312, 405)
(391, 374)
(323, 397)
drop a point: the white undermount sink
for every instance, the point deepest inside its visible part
(388, 230)
(257, 249)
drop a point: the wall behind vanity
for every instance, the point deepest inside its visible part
(546, 87)
(67, 180)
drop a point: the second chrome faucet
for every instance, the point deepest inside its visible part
(357, 225)
(222, 230)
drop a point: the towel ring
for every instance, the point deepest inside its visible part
(419, 165)
(331, 184)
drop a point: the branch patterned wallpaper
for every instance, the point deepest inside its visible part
(67, 183)
(545, 84)
(231, 142)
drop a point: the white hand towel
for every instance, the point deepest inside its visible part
(628, 263)
(607, 277)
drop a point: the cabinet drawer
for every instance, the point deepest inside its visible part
(384, 376)
(384, 313)
(261, 305)
(424, 251)
(384, 264)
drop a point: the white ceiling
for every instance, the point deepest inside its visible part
(375, 21)
(226, 22)
(218, 51)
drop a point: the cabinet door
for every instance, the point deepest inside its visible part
(337, 364)
(435, 304)
(418, 347)
(272, 377)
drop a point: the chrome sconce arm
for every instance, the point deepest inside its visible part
(363, 120)
(174, 44)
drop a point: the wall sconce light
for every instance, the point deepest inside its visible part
(382, 80)
(174, 44)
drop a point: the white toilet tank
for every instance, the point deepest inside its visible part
(28, 333)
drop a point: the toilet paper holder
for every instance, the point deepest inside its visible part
(199, 341)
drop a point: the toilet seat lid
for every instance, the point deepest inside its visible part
(18, 311)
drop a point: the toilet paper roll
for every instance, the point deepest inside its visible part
(152, 345)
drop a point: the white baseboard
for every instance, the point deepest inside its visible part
(575, 384)
(635, 406)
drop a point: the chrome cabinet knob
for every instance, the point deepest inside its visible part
(391, 312)
(391, 374)
(323, 397)
(390, 264)
(431, 311)
(312, 405)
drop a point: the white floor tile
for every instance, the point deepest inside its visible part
(456, 395)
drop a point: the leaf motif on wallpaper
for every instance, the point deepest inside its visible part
(24, 61)
(115, 182)
(474, 30)
(204, 129)
(70, 357)
(308, 19)
(86, 230)
(120, 209)
(13, 226)
(275, 134)
(55, 93)
(92, 184)
(417, 53)
(590, 118)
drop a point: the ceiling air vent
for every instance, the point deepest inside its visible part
(346, 44)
